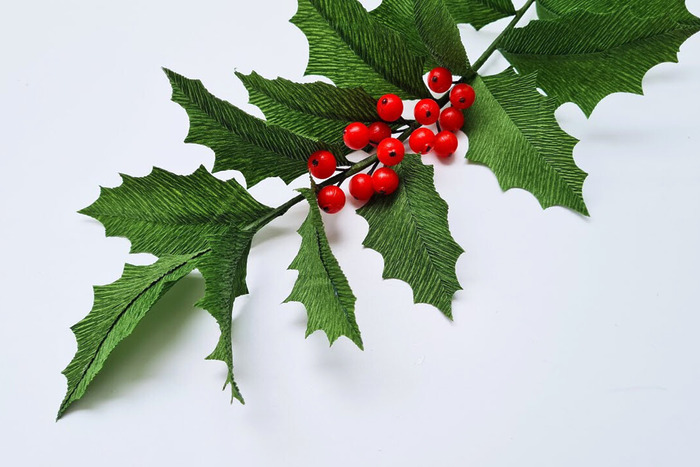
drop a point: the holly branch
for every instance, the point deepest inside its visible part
(578, 51)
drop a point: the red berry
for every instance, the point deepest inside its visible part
(390, 107)
(322, 164)
(462, 96)
(377, 132)
(361, 187)
(385, 181)
(421, 140)
(331, 199)
(427, 111)
(356, 135)
(390, 151)
(439, 79)
(445, 143)
(451, 119)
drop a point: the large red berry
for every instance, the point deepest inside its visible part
(451, 119)
(377, 132)
(356, 135)
(462, 96)
(390, 151)
(361, 187)
(421, 140)
(331, 199)
(427, 111)
(385, 181)
(439, 79)
(390, 107)
(322, 164)
(445, 143)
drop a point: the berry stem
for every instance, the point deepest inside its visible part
(494, 45)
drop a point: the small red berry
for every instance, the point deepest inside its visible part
(421, 140)
(377, 132)
(462, 96)
(445, 143)
(390, 151)
(361, 187)
(390, 107)
(356, 135)
(385, 181)
(439, 79)
(451, 119)
(427, 111)
(331, 199)
(322, 164)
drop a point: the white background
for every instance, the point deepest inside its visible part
(575, 340)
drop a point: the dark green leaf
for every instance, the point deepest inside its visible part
(409, 228)
(317, 110)
(117, 309)
(352, 49)
(164, 213)
(241, 141)
(512, 129)
(439, 32)
(675, 9)
(479, 13)
(321, 285)
(582, 57)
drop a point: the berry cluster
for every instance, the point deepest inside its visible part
(390, 151)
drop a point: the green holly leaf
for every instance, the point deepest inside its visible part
(117, 309)
(439, 32)
(164, 213)
(348, 46)
(321, 285)
(316, 110)
(241, 141)
(479, 13)
(512, 129)
(409, 229)
(675, 9)
(582, 57)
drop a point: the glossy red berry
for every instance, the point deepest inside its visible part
(322, 164)
(390, 107)
(361, 187)
(331, 199)
(385, 181)
(377, 132)
(451, 119)
(439, 79)
(427, 111)
(445, 143)
(421, 140)
(390, 151)
(462, 96)
(356, 135)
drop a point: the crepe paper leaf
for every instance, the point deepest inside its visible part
(224, 271)
(321, 285)
(583, 57)
(165, 213)
(439, 31)
(354, 50)
(512, 130)
(479, 13)
(409, 229)
(239, 140)
(117, 309)
(316, 110)
(675, 9)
